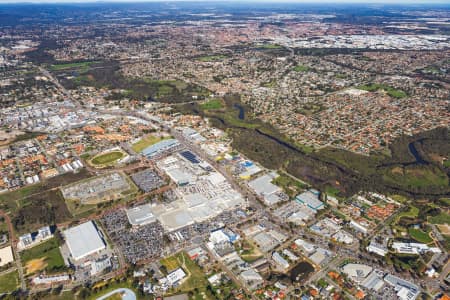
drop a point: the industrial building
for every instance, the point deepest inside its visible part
(160, 147)
(200, 194)
(310, 198)
(84, 240)
(264, 187)
(284, 264)
(357, 272)
(405, 289)
(140, 215)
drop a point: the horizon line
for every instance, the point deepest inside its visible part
(379, 2)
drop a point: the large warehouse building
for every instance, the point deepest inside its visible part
(140, 215)
(84, 240)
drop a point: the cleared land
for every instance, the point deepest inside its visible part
(9, 282)
(45, 256)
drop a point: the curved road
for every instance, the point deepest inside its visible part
(127, 294)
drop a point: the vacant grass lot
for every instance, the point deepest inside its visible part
(49, 251)
(146, 142)
(34, 206)
(171, 263)
(250, 252)
(195, 278)
(9, 282)
(289, 185)
(107, 158)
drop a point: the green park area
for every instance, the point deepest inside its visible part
(419, 235)
(43, 257)
(300, 68)
(77, 65)
(212, 104)
(146, 142)
(107, 158)
(412, 212)
(441, 218)
(9, 282)
(271, 46)
(212, 58)
(393, 92)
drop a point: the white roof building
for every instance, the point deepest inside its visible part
(175, 276)
(84, 240)
(377, 248)
(6, 256)
(140, 215)
(280, 260)
(357, 272)
(414, 248)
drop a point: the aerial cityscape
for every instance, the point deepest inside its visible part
(225, 150)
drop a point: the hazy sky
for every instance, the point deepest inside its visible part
(413, 2)
(265, 1)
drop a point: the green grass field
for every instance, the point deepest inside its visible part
(412, 213)
(442, 218)
(300, 68)
(48, 249)
(420, 236)
(146, 142)
(107, 158)
(271, 46)
(83, 65)
(393, 92)
(413, 177)
(212, 104)
(9, 282)
(212, 58)
(446, 163)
